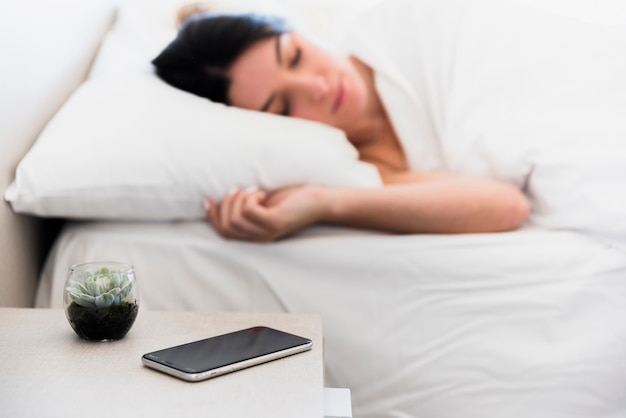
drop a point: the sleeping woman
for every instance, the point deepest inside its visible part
(259, 63)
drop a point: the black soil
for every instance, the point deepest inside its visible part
(110, 323)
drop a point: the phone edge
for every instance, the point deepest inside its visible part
(209, 374)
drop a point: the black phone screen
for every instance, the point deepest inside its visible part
(223, 350)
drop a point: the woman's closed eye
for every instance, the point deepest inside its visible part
(297, 56)
(293, 63)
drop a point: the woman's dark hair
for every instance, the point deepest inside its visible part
(198, 59)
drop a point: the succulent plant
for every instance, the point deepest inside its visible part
(100, 289)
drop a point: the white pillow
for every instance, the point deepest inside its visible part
(136, 148)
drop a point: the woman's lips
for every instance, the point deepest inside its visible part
(339, 98)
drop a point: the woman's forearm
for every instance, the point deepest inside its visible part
(450, 205)
(436, 205)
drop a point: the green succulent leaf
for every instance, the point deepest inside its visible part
(125, 290)
(87, 301)
(105, 300)
(100, 289)
(116, 279)
(92, 286)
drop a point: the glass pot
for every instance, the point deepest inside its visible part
(101, 300)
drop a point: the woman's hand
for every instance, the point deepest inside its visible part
(259, 216)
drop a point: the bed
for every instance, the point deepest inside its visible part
(528, 323)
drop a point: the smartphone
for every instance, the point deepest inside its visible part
(215, 356)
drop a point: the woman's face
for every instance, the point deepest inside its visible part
(289, 75)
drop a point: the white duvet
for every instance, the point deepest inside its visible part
(489, 88)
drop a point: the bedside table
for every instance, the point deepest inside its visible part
(48, 371)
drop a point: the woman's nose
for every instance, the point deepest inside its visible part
(314, 86)
(319, 88)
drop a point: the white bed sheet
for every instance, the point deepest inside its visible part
(521, 324)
